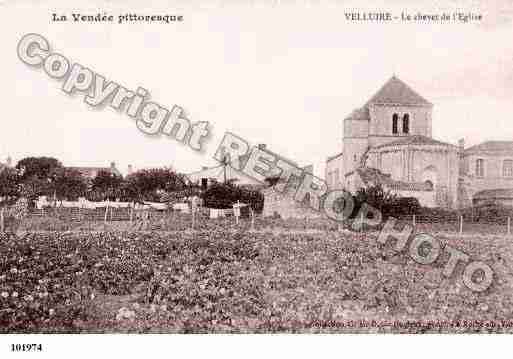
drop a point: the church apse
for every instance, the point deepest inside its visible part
(392, 133)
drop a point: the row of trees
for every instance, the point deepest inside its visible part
(37, 176)
(46, 176)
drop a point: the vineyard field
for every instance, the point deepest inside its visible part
(233, 280)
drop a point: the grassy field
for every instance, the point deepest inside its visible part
(283, 276)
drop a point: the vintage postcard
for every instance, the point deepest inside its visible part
(254, 167)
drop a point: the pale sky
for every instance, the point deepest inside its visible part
(284, 74)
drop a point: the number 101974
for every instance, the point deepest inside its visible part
(26, 347)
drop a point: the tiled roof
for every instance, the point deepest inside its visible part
(373, 176)
(360, 114)
(218, 173)
(331, 158)
(492, 146)
(92, 171)
(500, 193)
(394, 91)
(415, 140)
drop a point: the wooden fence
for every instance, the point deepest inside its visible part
(98, 214)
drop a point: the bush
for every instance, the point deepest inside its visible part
(390, 205)
(224, 195)
(403, 206)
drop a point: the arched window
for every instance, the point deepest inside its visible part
(480, 167)
(429, 185)
(395, 119)
(507, 168)
(406, 123)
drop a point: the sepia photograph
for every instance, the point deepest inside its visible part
(233, 168)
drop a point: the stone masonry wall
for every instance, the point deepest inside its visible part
(284, 205)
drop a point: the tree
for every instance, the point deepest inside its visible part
(389, 204)
(150, 184)
(9, 183)
(107, 185)
(68, 184)
(33, 187)
(374, 196)
(40, 167)
(224, 195)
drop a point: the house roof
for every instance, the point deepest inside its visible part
(395, 91)
(492, 146)
(373, 176)
(499, 193)
(92, 171)
(415, 140)
(218, 173)
(331, 158)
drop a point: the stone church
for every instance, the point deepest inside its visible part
(389, 141)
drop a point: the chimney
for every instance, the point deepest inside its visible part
(262, 146)
(8, 161)
(130, 169)
(113, 165)
(204, 168)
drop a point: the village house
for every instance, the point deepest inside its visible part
(487, 172)
(91, 172)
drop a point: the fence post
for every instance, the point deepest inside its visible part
(461, 224)
(252, 219)
(414, 221)
(105, 216)
(193, 217)
(236, 212)
(2, 219)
